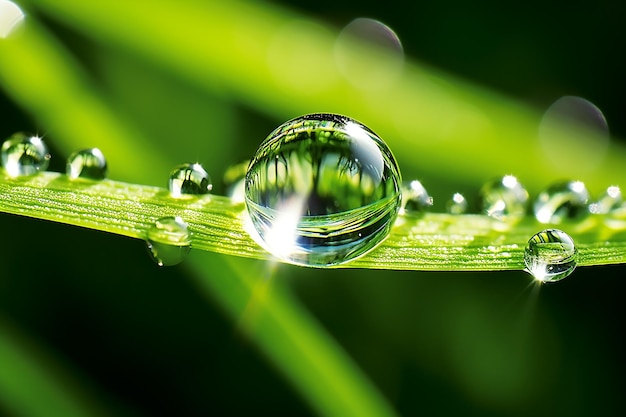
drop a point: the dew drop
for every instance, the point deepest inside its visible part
(550, 255)
(360, 38)
(168, 241)
(87, 164)
(321, 190)
(415, 198)
(189, 179)
(610, 200)
(11, 17)
(457, 204)
(504, 199)
(562, 201)
(24, 154)
(235, 181)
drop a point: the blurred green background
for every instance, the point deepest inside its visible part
(136, 339)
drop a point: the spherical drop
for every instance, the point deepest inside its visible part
(415, 198)
(87, 164)
(550, 255)
(504, 199)
(189, 179)
(24, 154)
(321, 190)
(561, 202)
(168, 241)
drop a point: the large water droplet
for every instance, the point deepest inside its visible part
(504, 199)
(322, 189)
(360, 38)
(24, 154)
(561, 202)
(11, 17)
(168, 241)
(415, 198)
(87, 164)
(551, 255)
(611, 199)
(457, 204)
(189, 179)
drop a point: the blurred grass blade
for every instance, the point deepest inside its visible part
(270, 58)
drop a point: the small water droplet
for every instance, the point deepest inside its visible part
(24, 154)
(610, 200)
(562, 201)
(550, 255)
(457, 204)
(168, 241)
(361, 37)
(87, 164)
(504, 199)
(415, 198)
(189, 179)
(235, 181)
(11, 17)
(322, 189)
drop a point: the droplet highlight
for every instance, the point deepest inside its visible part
(562, 202)
(321, 190)
(415, 198)
(11, 17)
(88, 164)
(550, 255)
(610, 200)
(24, 154)
(189, 179)
(504, 199)
(168, 241)
(457, 204)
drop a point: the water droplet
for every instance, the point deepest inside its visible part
(504, 199)
(87, 164)
(611, 199)
(189, 179)
(235, 181)
(361, 38)
(415, 198)
(575, 126)
(322, 189)
(551, 255)
(457, 204)
(561, 202)
(11, 17)
(24, 154)
(168, 241)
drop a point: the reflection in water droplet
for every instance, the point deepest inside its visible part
(415, 198)
(168, 241)
(457, 204)
(189, 179)
(322, 189)
(504, 199)
(87, 164)
(11, 17)
(235, 181)
(551, 255)
(24, 154)
(561, 202)
(577, 126)
(611, 199)
(360, 38)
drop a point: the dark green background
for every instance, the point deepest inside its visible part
(434, 343)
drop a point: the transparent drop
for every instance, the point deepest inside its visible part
(457, 204)
(504, 199)
(363, 37)
(415, 198)
(189, 179)
(321, 190)
(87, 164)
(11, 17)
(168, 241)
(235, 181)
(610, 200)
(24, 154)
(562, 201)
(550, 255)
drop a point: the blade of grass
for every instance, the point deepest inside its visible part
(282, 63)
